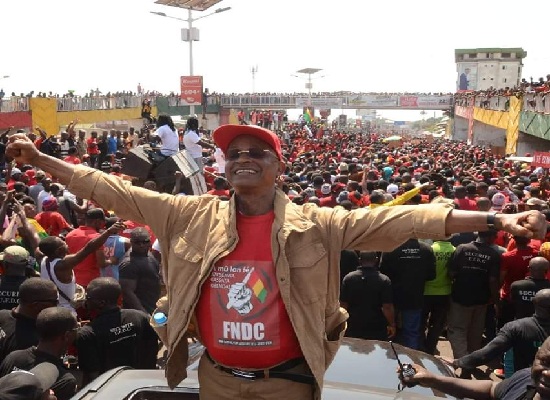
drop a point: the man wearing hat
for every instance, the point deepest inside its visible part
(30, 385)
(259, 275)
(15, 176)
(15, 260)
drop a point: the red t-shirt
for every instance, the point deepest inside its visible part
(92, 146)
(87, 270)
(131, 225)
(534, 243)
(466, 204)
(215, 192)
(516, 265)
(52, 222)
(241, 316)
(328, 201)
(72, 160)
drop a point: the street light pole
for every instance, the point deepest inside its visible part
(191, 36)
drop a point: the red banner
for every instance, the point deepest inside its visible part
(408, 101)
(191, 90)
(541, 159)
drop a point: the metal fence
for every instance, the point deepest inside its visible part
(78, 103)
(12, 104)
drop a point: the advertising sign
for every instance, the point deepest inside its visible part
(319, 102)
(467, 76)
(541, 159)
(424, 102)
(191, 90)
(373, 100)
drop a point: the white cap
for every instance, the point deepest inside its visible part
(392, 189)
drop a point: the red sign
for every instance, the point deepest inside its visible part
(541, 159)
(191, 90)
(408, 101)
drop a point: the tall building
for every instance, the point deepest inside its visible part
(480, 69)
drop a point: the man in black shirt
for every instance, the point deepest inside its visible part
(349, 262)
(15, 260)
(409, 267)
(475, 269)
(18, 326)
(56, 327)
(522, 292)
(139, 274)
(115, 337)
(524, 336)
(367, 296)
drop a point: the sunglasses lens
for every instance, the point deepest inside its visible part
(257, 153)
(233, 154)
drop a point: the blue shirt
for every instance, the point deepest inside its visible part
(112, 145)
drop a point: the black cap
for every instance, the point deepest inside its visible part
(28, 385)
(95, 213)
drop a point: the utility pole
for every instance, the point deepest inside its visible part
(254, 71)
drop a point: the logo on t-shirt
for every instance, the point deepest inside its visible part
(240, 293)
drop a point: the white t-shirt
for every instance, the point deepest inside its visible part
(190, 140)
(220, 160)
(170, 140)
(68, 289)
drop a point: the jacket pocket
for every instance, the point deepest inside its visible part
(309, 271)
(186, 250)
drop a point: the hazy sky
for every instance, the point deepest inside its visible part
(361, 45)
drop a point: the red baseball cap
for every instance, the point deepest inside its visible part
(225, 134)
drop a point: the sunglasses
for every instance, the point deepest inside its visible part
(253, 152)
(141, 241)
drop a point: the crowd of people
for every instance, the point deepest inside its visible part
(78, 260)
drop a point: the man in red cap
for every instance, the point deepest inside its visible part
(259, 275)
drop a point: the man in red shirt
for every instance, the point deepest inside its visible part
(51, 220)
(88, 269)
(15, 177)
(72, 158)
(514, 267)
(462, 201)
(93, 150)
(220, 188)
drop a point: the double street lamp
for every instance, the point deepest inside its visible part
(190, 34)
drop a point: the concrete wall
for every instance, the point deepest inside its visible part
(487, 135)
(530, 144)
(460, 129)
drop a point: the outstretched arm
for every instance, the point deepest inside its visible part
(461, 388)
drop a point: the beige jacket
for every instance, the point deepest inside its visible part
(196, 231)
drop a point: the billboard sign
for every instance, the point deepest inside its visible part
(373, 100)
(467, 76)
(191, 90)
(541, 159)
(319, 102)
(423, 102)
